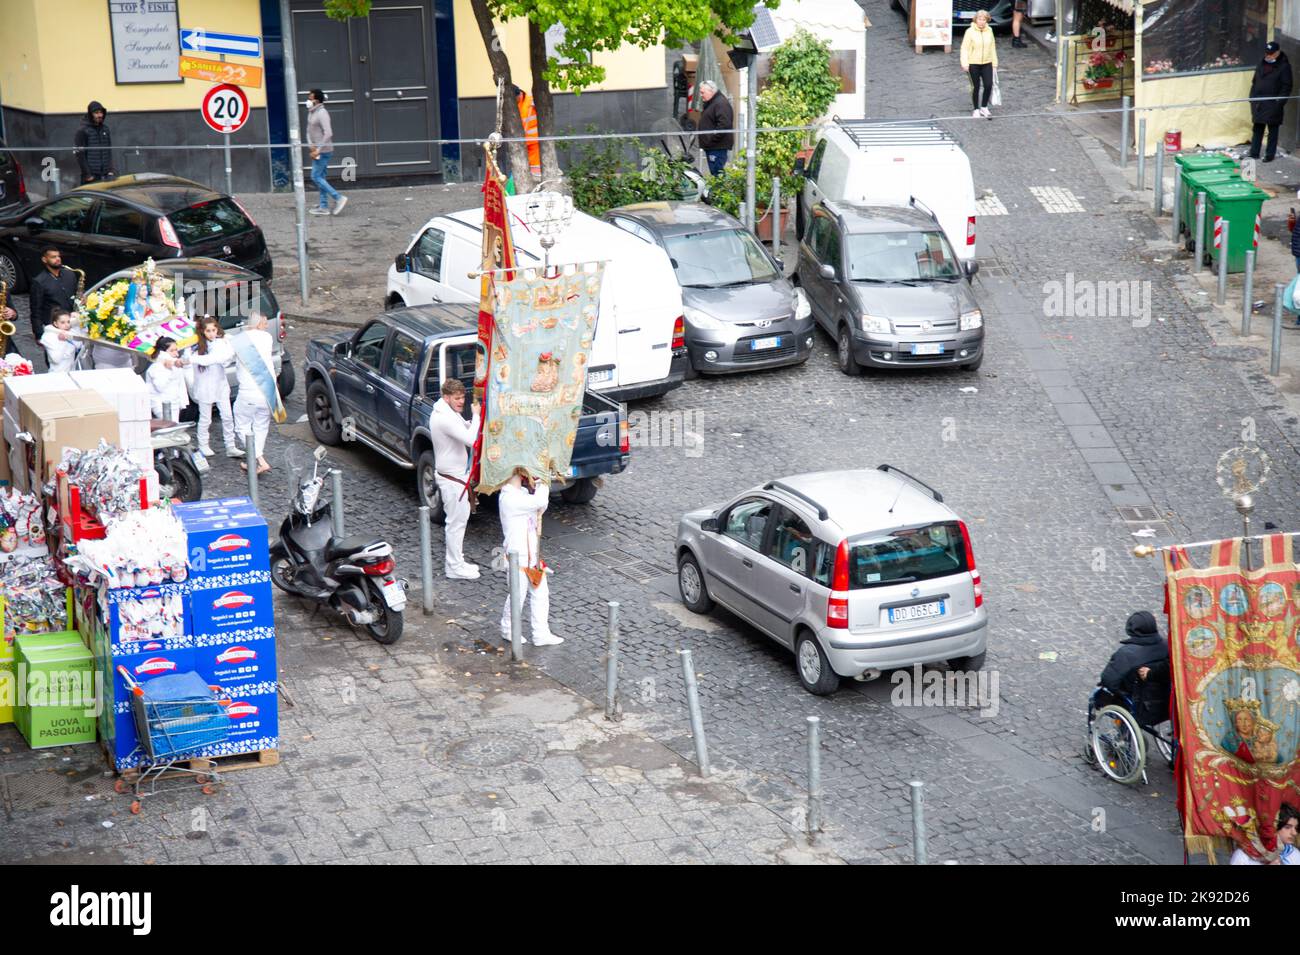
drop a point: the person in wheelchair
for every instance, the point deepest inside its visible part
(1139, 671)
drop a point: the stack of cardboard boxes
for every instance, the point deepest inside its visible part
(56, 707)
(227, 635)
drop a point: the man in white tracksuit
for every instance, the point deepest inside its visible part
(521, 508)
(251, 411)
(453, 438)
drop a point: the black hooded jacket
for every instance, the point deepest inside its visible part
(94, 144)
(1143, 647)
(1271, 79)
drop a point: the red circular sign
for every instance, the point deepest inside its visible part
(225, 108)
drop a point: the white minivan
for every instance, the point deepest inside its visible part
(892, 164)
(640, 347)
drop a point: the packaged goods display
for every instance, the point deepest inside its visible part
(22, 530)
(107, 477)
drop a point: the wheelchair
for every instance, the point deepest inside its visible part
(1117, 738)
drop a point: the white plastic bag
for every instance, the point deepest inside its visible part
(995, 98)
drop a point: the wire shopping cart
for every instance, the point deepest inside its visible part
(175, 716)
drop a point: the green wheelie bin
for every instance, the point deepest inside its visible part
(1239, 203)
(1200, 181)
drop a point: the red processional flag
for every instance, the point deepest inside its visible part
(498, 255)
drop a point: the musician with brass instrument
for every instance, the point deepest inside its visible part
(7, 328)
(55, 287)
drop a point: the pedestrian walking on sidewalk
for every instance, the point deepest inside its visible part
(453, 437)
(979, 60)
(93, 145)
(520, 504)
(1020, 10)
(321, 136)
(1272, 79)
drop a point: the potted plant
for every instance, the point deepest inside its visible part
(777, 107)
(801, 66)
(1101, 72)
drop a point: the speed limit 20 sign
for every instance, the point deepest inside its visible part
(225, 108)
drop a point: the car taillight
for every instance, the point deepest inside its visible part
(970, 230)
(385, 566)
(284, 329)
(679, 332)
(624, 437)
(167, 233)
(837, 609)
(970, 565)
(243, 210)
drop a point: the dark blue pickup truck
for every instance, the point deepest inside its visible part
(378, 385)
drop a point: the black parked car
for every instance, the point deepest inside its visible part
(13, 188)
(107, 226)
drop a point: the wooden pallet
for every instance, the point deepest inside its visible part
(218, 764)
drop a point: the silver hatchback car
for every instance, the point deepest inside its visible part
(854, 571)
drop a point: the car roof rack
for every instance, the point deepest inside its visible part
(890, 469)
(917, 204)
(822, 513)
(867, 133)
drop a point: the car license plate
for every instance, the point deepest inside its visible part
(916, 612)
(600, 377)
(927, 348)
(762, 344)
(394, 594)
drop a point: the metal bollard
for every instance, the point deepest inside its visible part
(516, 608)
(744, 212)
(426, 558)
(1248, 292)
(611, 662)
(693, 705)
(1159, 207)
(1142, 154)
(1124, 129)
(814, 777)
(776, 217)
(336, 504)
(1222, 298)
(918, 823)
(250, 459)
(1198, 241)
(1177, 211)
(1275, 356)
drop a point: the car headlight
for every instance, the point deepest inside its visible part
(702, 319)
(972, 320)
(801, 307)
(876, 325)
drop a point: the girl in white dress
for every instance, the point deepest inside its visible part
(60, 348)
(210, 358)
(166, 377)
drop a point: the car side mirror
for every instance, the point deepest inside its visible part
(971, 268)
(674, 262)
(403, 262)
(780, 264)
(709, 524)
(828, 272)
(34, 222)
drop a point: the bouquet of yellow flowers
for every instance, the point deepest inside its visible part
(101, 314)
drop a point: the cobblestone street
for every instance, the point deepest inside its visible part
(1077, 439)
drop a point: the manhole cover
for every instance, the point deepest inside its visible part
(629, 565)
(1232, 353)
(43, 789)
(488, 750)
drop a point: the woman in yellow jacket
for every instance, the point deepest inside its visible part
(979, 58)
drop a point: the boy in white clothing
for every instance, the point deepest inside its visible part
(61, 348)
(520, 505)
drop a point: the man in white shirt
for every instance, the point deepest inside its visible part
(520, 505)
(252, 409)
(453, 438)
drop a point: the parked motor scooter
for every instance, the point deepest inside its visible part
(353, 576)
(177, 464)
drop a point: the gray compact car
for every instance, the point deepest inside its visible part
(854, 571)
(885, 284)
(741, 312)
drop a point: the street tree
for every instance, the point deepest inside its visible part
(588, 27)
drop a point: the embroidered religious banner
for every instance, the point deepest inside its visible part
(541, 343)
(1234, 643)
(498, 255)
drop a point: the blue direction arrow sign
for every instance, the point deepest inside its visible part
(232, 44)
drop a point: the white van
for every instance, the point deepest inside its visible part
(861, 162)
(640, 348)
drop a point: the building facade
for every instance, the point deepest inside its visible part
(402, 85)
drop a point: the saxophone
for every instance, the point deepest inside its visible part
(81, 283)
(7, 329)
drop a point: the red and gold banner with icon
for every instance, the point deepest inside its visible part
(1236, 668)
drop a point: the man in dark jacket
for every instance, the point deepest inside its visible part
(1140, 670)
(1272, 79)
(94, 145)
(716, 115)
(52, 289)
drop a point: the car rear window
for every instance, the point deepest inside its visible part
(216, 219)
(914, 553)
(232, 302)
